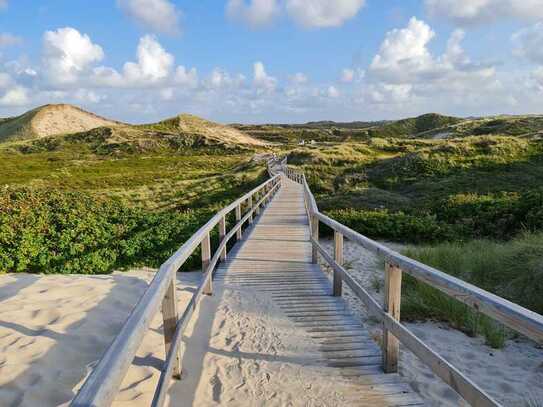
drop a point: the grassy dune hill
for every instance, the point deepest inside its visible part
(50, 120)
(116, 195)
(194, 126)
(426, 126)
(413, 126)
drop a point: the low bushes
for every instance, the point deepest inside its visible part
(49, 231)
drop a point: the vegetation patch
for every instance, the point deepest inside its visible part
(512, 270)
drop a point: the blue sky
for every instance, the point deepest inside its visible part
(273, 60)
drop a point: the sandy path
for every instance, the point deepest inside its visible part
(513, 375)
(53, 329)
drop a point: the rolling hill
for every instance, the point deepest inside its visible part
(50, 120)
(53, 127)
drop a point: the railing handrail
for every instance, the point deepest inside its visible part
(103, 383)
(508, 313)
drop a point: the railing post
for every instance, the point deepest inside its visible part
(222, 234)
(250, 209)
(169, 315)
(238, 218)
(393, 294)
(338, 257)
(257, 209)
(315, 236)
(206, 257)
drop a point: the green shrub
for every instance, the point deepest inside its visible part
(382, 224)
(49, 231)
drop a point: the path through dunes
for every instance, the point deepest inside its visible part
(272, 335)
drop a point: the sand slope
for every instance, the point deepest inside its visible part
(50, 120)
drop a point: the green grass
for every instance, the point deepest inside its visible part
(429, 190)
(512, 270)
(68, 205)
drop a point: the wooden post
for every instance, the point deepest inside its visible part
(251, 208)
(169, 315)
(338, 257)
(222, 234)
(257, 210)
(315, 235)
(393, 295)
(238, 218)
(206, 257)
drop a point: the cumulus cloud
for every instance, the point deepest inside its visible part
(154, 65)
(256, 13)
(7, 40)
(323, 13)
(405, 69)
(67, 54)
(528, 43)
(186, 77)
(307, 13)
(484, 11)
(158, 15)
(261, 80)
(16, 96)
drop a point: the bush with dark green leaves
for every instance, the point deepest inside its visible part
(50, 231)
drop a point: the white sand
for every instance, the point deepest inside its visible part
(53, 329)
(512, 375)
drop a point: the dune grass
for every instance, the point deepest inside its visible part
(512, 270)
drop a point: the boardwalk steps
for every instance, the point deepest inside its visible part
(275, 260)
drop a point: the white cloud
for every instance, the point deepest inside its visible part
(332, 92)
(307, 13)
(154, 65)
(323, 13)
(261, 79)
(158, 15)
(349, 75)
(404, 70)
(257, 13)
(528, 43)
(298, 78)
(404, 51)
(188, 78)
(67, 54)
(3, 4)
(17, 96)
(7, 40)
(537, 76)
(220, 79)
(483, 11)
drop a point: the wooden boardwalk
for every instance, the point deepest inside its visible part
(273, 264)
(271, 333)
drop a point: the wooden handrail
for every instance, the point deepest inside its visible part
(102, 385)
(510, 314)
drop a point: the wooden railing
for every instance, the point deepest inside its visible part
(514, 316)
(102, 386)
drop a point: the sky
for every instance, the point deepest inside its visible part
(282, 61)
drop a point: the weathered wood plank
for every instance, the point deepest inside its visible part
(393, 293)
